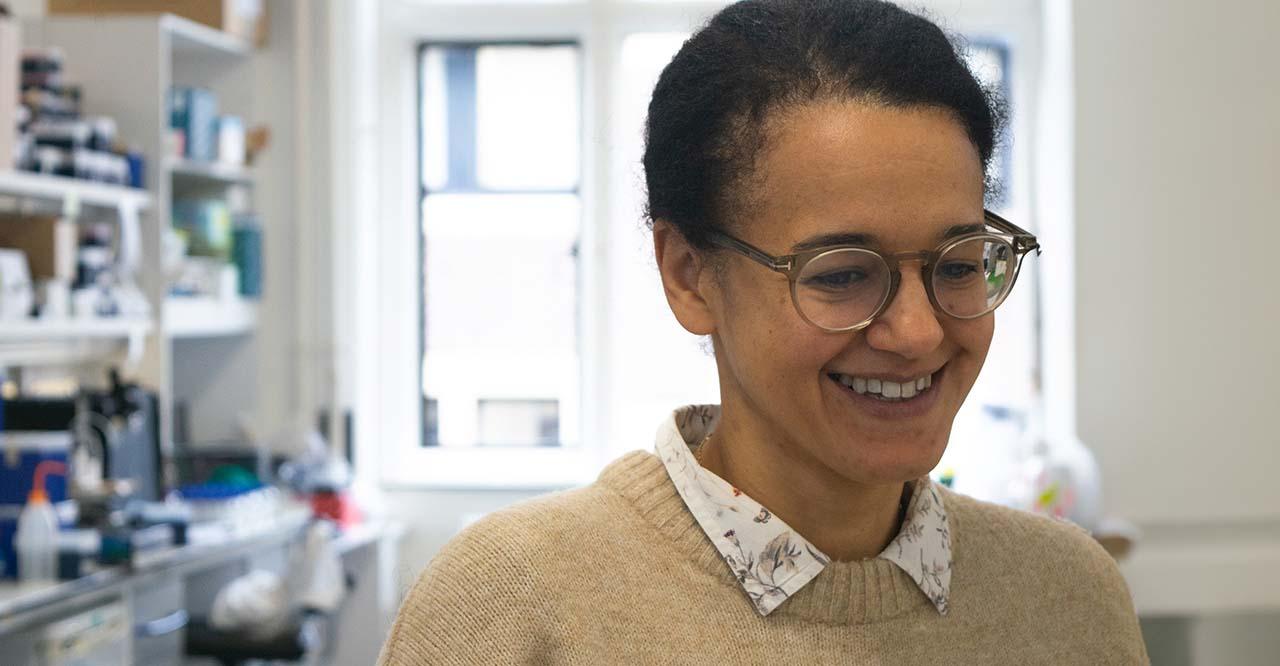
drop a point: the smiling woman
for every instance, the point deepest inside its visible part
(843, 145)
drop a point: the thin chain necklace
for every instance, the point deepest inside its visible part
(702, 446)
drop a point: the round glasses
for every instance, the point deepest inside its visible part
(844, 288)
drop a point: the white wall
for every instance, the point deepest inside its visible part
(1177, 314)
(1177, 168)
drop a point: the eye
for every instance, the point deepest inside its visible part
(842, 279)
(957, 270)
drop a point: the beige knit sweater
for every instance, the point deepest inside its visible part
(620, 572)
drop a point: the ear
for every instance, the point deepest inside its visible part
(681, 267)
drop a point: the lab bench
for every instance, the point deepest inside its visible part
(163, 591)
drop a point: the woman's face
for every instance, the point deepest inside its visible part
(903, 177)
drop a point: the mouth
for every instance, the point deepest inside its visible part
(887, 398)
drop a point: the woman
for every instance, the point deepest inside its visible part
(816, 185)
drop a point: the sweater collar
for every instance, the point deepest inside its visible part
(770, 560)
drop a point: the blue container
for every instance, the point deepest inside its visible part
(246, 254)
(8, 526)
(20, 452)
(195, 112)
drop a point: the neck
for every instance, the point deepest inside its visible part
(845, 520)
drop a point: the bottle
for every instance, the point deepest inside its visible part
(36, 539)
(1058, 477)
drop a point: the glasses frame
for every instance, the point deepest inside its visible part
(1020, 240)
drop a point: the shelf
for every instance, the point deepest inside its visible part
(42, 342)
(208, 317)
(72, 328)
(209, 171)
(71, 192)
(196, 39)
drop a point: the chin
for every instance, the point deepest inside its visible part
(886, 461)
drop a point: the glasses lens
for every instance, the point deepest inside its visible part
(973, 277)
(842, 288)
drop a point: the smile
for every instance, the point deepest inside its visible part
(886, 390)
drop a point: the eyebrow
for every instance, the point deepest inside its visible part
(831, 240)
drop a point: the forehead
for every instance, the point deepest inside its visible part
(900, 176)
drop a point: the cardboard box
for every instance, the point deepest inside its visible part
(10, 45)
(246, 19)
(49, 243)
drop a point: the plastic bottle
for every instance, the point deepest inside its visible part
(1058, 477)
(36, 540)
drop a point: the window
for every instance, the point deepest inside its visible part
(519, 423)
(989, 60)
(500, 218)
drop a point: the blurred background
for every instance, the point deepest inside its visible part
(291, 291)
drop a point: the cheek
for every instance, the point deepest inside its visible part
(973, 338)
(774, 346)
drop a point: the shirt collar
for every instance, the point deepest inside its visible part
(769, 559)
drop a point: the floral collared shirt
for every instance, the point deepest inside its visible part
(768, 558)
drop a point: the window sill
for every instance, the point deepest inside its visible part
(445, 468)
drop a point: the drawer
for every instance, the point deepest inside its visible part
(158, 620)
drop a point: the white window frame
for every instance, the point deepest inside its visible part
(390, 397)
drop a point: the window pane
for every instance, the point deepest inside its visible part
(501, 312)
(527, 110)
(642, 391)
(500, 117)
(498, 261)
(519, 422)
(989, 62)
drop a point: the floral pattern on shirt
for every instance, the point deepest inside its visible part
(771, 561)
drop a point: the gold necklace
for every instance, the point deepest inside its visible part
(697, 452)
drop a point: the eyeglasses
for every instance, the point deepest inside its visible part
(845, 287)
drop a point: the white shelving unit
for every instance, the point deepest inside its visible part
(201, 353)
(74, 340)
(70, 192)
(71, 328)
(188, 318)
(208, 172)
(191, 38)
(70, 339)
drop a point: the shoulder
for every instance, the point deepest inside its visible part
(488, 585)
(1006, 537)
(1040, 567)
(537, 528)
(516, 540)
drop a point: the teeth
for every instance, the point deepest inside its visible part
(887, 389)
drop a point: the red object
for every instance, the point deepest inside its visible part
(338, 507)
(43, 469)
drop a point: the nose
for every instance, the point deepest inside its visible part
(909, 327)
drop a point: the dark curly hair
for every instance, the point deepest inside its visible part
(708, 118)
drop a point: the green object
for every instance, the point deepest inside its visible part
(235, 476)
(207, 225)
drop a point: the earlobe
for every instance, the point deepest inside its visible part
(680, 266)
